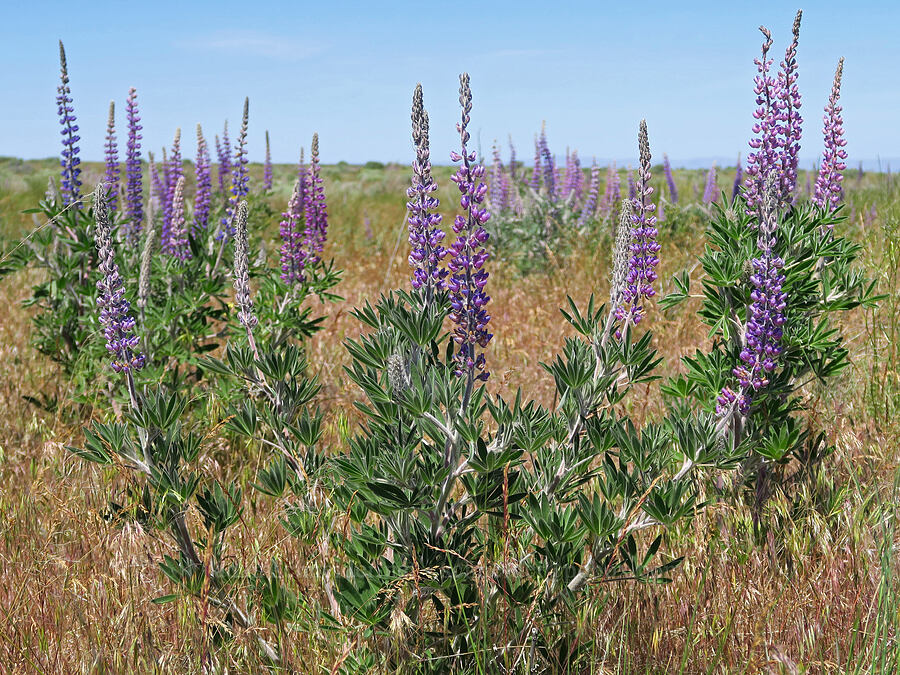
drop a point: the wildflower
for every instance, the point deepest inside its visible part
(173, 172)
(316, 210)
(425, 234)
(267, 167)
(499, 187)
(242, 296)
(764, 158)
(240, 178)
(134, 187)
(118, 324)
(203, 198)
(590, 204)
(224, 159)
(766, 314)
(644, 247)
(612, 193)
(535, 181)
(828, 183)
(293, 257)
(711, 191)
(788, 116)
(177, 244)
(146, 259)
(112, 158)
(670, 180)
(467, 274)
(69, 160)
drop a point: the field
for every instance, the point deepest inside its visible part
(817, 593)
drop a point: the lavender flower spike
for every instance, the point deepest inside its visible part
(316, 209)
(178, 245)
(711, 191)
(240, 179)
(590, 204)
(267, 167)
(134, 187)
(69, 160)
(225, 161)
(425, 233)
(293, 257)
(670, 179)
(112, 158)
(766, 313)
(173, 172)
(764, 158)
(468, 255)
(535, 181)
(790, 121)
(644, 247)
(203, 198)
(828, 184)
(612, 192)
(118, 324)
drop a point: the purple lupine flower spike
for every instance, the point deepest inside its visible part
(790, 121)
(220, 155)
(70, 184)
(535, 181)
(157, 186)
(468, 255)
(118, 324)
(549, 165)
(499, 186)
(293, 257)
(644, 247)
(632, 188)
(590, 204)
(240, 178)
(425, 233)
(202, 174)
(711, 191)
(829, 181)
(315, 206)
(178, 245)
(173, 171)
(612, 192)
(225, 163)
(764, 158)
(134, 185)
(738, 178)
(112, 159)
(513, 165)
(670, 180)
(766, 313)
(267, 167)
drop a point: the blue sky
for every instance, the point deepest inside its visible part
(592, 70)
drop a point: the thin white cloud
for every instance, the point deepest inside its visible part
(255, 43)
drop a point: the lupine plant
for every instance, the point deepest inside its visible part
(474, 517)
(774, 277)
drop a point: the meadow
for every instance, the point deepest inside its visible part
(774, 550)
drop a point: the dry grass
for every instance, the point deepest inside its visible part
(76, 588)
